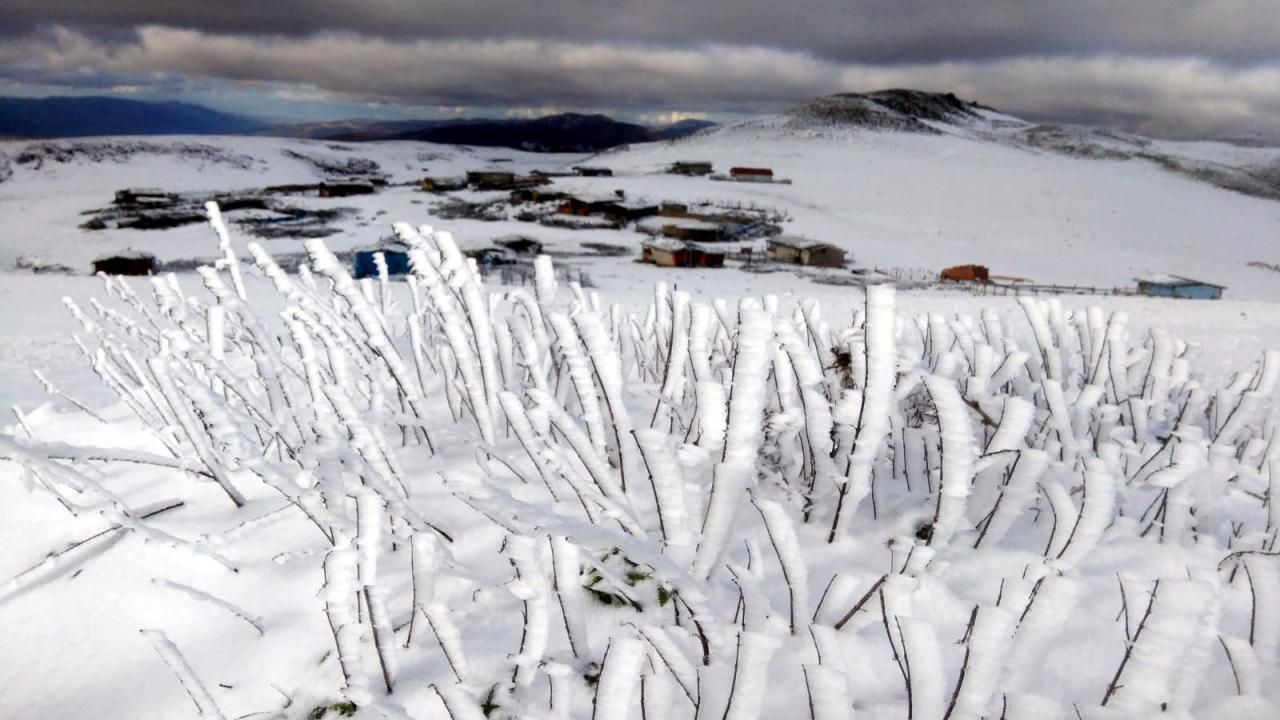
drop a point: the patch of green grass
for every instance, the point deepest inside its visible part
(341, 709)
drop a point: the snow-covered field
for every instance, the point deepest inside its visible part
(736, 495)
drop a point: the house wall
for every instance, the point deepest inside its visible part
(1188, 292)
(125, 266)
(822, 257)
(784, 253)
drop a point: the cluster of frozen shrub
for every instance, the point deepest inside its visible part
(717, 510)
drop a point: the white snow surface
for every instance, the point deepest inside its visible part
(258, 639)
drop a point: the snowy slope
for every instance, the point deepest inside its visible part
(1055, 204)
(916, 200)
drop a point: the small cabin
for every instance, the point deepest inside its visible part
(666, 252)
(587, 171)
(1176, 286)
(491, 179)
(673, 209)
(751, 174)
(683, 167)
(126, 262)
(144, 196)
(967, 273)
(803, 251)
(441, 184)
(396, 256)
(535, 195)
(694, 231)
(615, 208)
(345, 189)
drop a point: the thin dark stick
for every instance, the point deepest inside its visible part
(1128, 651)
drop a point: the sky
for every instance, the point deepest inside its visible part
(1168, 68)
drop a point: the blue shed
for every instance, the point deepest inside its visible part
(396, 255)
(1176, 286)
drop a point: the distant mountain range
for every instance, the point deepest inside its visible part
(55, 117)
(566, 132)
(58, 117)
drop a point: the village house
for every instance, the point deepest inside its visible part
(682, 167)
(441, 184)
(144, 196)
(126, 262)
(535, 195)
(751, 174)
(693, 230)
(491, 179)
(344, 189)
(1176, 286)
(967, 273)
(616, 208)
(803, 251)
(666, 252)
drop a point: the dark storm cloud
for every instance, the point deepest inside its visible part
(1182, 67)
(1235, 31)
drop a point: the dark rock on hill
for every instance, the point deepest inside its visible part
(897, 109)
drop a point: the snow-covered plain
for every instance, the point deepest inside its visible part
(1046, 503)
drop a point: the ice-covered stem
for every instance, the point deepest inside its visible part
(1050, 356)
(459, 703)
(341, 584)
(673, 657)
(1015, 495)
(445, 305)
(786, 545)
(666, 480)
(372, 324)
(579, 370)
(734, 473)
(383, 634)
(957, 459)
(619, 673)
(1051, 599)
(608, 371)
(422, 563)
(450, 639)
(987, 642)
(569, 592)
(828, 693)
(1098, 502)
(674, 374)
(923, 661)
(178, 664)
(876, 403)
(201, 596)
(1147, 664)
(229, 259)
(191, 427)
(750, 676)
(530, 587)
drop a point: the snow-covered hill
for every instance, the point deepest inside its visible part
(899, 179)
(1052, 203)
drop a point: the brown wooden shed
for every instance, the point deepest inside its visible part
(803, 251)
(665, 252)
(967, 273)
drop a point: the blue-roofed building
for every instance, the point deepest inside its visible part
(396, 255)
(1176, 286)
